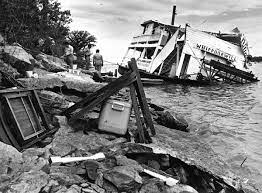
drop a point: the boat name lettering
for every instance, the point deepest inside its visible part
(216, 52)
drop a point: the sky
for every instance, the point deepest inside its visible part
(115, 22)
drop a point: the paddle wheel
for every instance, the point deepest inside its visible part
(215, 70)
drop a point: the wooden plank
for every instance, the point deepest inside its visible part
(99, 96)
(141, 97)
(116, 85)
(40, 110)
(137, 114)
(34, 114)
(14, 116)
(22, 118)
(29, 115)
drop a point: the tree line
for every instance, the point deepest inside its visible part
(27, 21)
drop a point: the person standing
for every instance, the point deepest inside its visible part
(98, 61)
(68, 54)
(88, 54)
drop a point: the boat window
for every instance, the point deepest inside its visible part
(149, 53)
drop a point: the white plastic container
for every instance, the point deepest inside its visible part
(29, 74)
(114, 117)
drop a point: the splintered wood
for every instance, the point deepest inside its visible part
(130, 79)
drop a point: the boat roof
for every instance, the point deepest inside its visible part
(229, 37)
(172, 27)
(233, 38)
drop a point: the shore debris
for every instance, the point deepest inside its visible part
(76, 159)
(165, 160)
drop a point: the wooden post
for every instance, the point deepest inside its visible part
(137, 114)
(141, 96)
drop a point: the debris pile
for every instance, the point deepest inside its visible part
(171, 160)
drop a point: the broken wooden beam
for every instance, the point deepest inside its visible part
(92, 100)
(137, 115)
(141, 96)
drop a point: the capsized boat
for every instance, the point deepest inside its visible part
(188, 55)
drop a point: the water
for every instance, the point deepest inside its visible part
(227, 117)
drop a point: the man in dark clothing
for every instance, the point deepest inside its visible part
(98, 61)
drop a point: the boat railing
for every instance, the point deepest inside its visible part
(146, 38)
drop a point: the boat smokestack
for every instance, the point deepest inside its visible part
(173, 15)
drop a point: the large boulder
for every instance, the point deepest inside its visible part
(172, 121)
(10, 163)
(18, 58)
(51, 63)
(82, 83)
(53, 103)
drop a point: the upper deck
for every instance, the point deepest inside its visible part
(154, 33)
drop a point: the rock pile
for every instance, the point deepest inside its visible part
(121, 171)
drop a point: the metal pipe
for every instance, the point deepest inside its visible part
(173, 15)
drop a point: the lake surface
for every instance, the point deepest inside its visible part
(227, 117)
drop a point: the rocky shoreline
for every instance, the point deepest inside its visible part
(174, 152)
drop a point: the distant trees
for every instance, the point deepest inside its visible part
(26, 21)
(80, 40)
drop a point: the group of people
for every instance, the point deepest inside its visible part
(96, 60)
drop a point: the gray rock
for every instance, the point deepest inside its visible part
(74, 189)
(53, 103)
(51, 63)
(81, 83)
(29, 182)
(67, 179)
(97, 188)
(180, 188)
(124, 178)
(172, 121)
(67, 140)
(11, 162)
(8, 69)
(35, 158)
(52, 185)
(9, 157)
(153, 186)
(124, 161)
(16, 55)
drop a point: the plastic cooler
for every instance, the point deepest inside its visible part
(114, 116)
